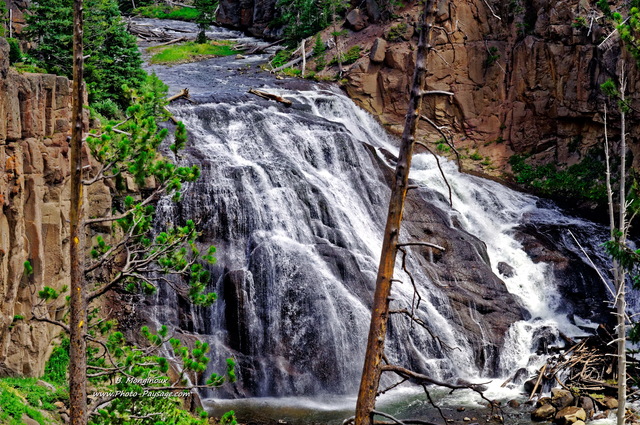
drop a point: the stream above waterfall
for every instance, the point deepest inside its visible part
(295, 200)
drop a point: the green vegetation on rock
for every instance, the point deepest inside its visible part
(578, 182)
(352, 55)
(304, 18)
(190, 51)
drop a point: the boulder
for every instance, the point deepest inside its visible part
(561, 398)
(356, 20)
(514, 404)
(46, 385)
(609, 402)
(398, 32)
(28, 421)
(378, 51)
(543, 401)
(570, 415)
(544, 413)
(506, 270)
(588, 405)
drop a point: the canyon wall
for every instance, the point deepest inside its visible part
(525, 75)
(34, 197)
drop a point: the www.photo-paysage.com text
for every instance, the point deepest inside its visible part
(145, 393)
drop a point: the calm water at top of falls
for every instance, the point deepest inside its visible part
(295, 200)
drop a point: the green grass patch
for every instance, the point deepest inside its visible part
(167, 12)
(442, 146)
(28, 68)
(191, 51)
(282, 57)
(292, 72)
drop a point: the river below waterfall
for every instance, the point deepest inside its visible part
(295, 200)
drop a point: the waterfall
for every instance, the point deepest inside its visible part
(295, 200)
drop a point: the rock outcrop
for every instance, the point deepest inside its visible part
(527, 83)
(526, 76)
(34, 197)
(253, 16)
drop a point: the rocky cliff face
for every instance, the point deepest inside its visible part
(34, 197)
(253, 16)
(525, 75)
(525, 78)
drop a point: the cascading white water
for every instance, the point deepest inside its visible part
(295, 200)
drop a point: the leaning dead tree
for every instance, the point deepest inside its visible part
(375, 361)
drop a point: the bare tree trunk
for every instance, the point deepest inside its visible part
(78, 317)
(304, 57)
(380, 313)
(336, 39)
(620, 273)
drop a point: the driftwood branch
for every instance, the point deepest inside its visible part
(261, 49)
(183, 94)
(446, 139)
(271, 96)
(427, 244)
(444, 177)
(293, 62)
(175, 40)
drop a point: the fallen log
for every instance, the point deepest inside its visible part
(261, 49)
(178, 30)
(183, 94)
(175, 40)
(145, 32)
(293, 62)
(271, 96)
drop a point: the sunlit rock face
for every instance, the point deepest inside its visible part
(526, 76)
(34, 199)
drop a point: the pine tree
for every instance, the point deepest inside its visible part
(113, 58)
(206, 17)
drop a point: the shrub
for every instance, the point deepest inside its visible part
(441, 146)
(475, 156)
(282, 57)
(107, 108)
(396, 32)
(352, 55)
(15, 53)
(492, 56)
(581, 181)
(55, 370)
(579, 22)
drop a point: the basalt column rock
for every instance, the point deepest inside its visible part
(253, 16)
(34, 202)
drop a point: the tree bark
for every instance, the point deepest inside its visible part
(620, 272)
(380, 314)
(78, 315)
